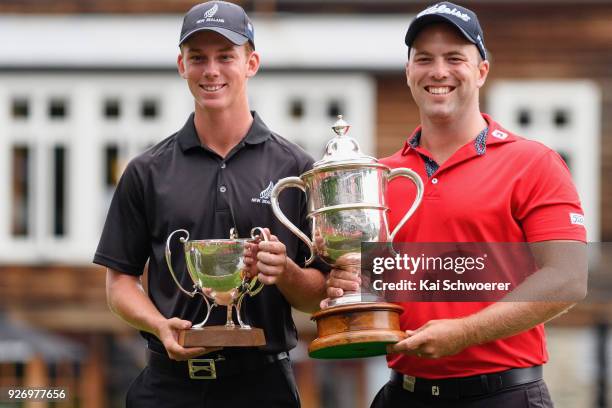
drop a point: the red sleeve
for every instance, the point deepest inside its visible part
(545, 201)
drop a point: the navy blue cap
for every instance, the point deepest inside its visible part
(227, 19)
(463, 19)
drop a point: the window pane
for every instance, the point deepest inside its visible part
(20, 108)
(112, 109)
(561, 118)
(335, 108)
(59, 190)
(58, 108)
(296, 108)
(20, 193)
(111, 165)
(524, 117)
(149, 109)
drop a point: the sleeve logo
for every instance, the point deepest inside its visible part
(576, 219)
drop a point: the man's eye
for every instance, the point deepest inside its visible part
(195, 58)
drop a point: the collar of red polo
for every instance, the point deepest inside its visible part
(495, 135)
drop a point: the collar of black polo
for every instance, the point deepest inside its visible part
(188, 137)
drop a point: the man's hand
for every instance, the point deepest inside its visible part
(340, 281)
(435, 339)
(250, 259)
(271, 260)
(168, 332)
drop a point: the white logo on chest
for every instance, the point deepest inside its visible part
(264, 195)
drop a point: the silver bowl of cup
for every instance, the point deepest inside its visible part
(217, 270)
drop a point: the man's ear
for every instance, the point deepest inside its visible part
(483, 72)
(407, 73)
(252, 64)
(180, 64)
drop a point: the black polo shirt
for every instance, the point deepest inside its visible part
(179, 183)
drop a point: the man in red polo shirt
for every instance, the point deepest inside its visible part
(482, 184)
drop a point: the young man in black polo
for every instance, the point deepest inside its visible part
(207, 178)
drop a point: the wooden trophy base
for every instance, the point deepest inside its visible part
(356, 330)
(222, 336)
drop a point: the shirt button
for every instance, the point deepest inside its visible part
(223, 189)
(223, 165)
(434, 181)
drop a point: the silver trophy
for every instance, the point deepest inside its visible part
(346, 201)
(216, 268)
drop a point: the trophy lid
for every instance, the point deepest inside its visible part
(343, 149)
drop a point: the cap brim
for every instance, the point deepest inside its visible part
(417, 25)
(234, 37)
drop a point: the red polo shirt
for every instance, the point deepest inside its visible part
(517, 191)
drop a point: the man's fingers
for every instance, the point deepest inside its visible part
(409, 345)
(345, 275)
(179, 324)
(266, 280)
(334, 292)
(342, 284)
(272, 258)
(275, 247)
(181, 353)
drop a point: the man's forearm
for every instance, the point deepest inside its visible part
(560, 283)
(505, 319)
(127, 299)
(304, 288)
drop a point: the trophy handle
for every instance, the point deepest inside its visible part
(209, 308)
(280, 186)
(169, 261)
(416, 179)
(255, 286)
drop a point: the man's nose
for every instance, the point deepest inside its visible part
(211, 69)
(439, 69)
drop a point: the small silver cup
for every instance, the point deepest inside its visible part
(216, 268)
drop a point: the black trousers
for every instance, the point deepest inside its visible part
(531, 395)
(271, 385)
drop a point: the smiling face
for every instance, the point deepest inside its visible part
(217, 70)
(444, 73)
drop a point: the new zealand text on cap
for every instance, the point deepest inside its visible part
(227, 19)
(463, 19)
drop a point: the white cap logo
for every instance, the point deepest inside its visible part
(444, 9)
(212, 11)
(209, 14)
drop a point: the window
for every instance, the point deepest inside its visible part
(296, 108)
(523, 117)
(335, 108)
(111, 165)
(58, 109)
(20, 191)
(112, 109)
(20, 108)
(59, 161)
(561, 117)
(149, 109)
(565, 115)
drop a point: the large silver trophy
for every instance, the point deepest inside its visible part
(346, 202)
(216, 268)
